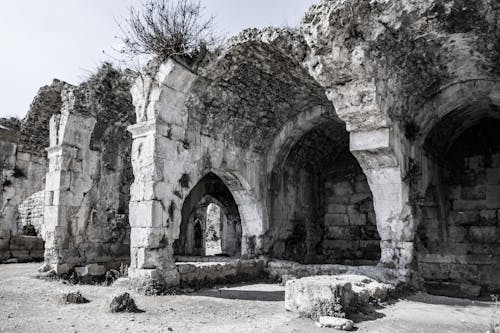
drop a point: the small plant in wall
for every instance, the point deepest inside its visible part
(413, 172)
(168, 28)
(328, 308)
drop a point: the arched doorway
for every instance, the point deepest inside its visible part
(211, 223)
(458, 238)
(321, 205)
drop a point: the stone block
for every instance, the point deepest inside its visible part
(454, 192)
(21, 255)
(493, 196)
(495, 160)
(493, 176)
(37, 254)
(336, 323)
(81, 271)
(356, 218)
(361, 186)
(484, 234)
(463, 272)
(339, 244)
(434, 271)
(342, 189)
(26, 243)
(470, 290)
(457, 234)
(148, 237)
(336, 220)
(473, 193)
(334, 208)
(142, 258)
(464, 218)
(488, 216)
(488, 275)
(359, 198)
(147, 214)
(350, 291)
(337, 233)
(96, 269)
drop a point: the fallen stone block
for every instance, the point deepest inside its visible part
(124, 303)
(337, 323)
(121, 283)
(345, 293)
(74, 297)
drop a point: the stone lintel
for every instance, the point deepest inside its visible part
(61, 150)
(155, 127)
(372, 140)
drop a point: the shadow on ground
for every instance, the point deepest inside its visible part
(445, 300)
(244, 294)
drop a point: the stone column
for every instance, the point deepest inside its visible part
(69, 134)
(376, 153)
(158, 160)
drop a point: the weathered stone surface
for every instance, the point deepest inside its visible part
(209, 273)
(337, 323)
(351, 291)
(123, 303)
(369, 135)
(74, 297)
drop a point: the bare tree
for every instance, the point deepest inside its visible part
(167, 28)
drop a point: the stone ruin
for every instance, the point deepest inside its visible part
(364, 141)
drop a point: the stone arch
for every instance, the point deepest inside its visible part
(458, 154)
(229, 228)
(455, 97)
(244, 208)
(310, 163)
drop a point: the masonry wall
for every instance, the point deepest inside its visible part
(293, 216)
(459, 237)
(24, 165)
(89, 176)
(462, 250)
(351, 235)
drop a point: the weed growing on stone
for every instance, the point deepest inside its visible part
(326, 308)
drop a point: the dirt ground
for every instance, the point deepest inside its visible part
(31, 305)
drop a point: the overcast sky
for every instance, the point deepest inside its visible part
(65, 39)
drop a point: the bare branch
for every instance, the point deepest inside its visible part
(167, 28)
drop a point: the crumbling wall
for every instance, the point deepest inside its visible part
(377, 62)
(89, 177)
(24, 164)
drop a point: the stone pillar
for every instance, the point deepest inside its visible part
(69, 133)
(376, 153)
(158, 160)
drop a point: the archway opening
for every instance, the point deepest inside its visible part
(211, 224)
(458, 239)
(321, 205)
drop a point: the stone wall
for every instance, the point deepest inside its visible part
(271, 115)
(30, 213)
(459, 236)
(24, 166)
(89, 176)
(351, 235)
(322, 205)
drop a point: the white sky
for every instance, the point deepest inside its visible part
(65, 39)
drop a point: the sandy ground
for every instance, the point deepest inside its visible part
(31, 305)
